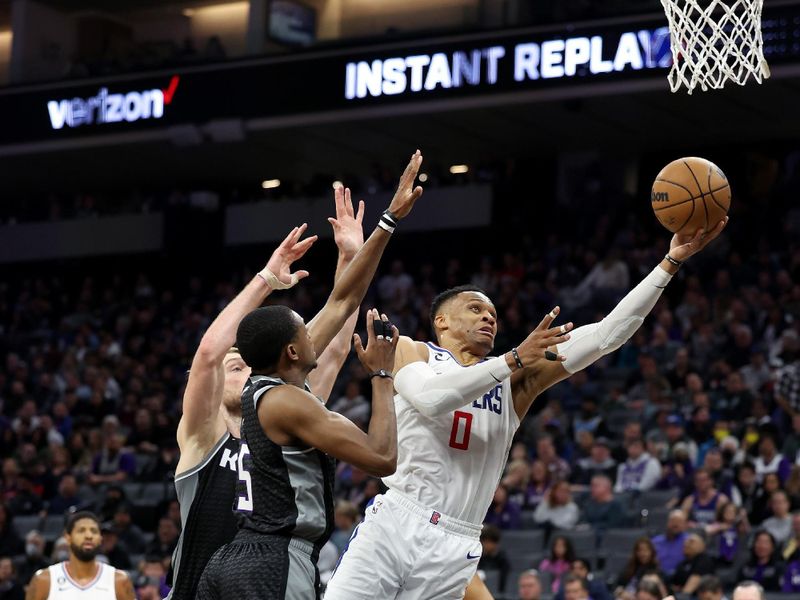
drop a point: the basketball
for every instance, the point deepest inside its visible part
(690, 193)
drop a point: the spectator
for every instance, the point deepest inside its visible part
(516, 480)
(791, 443)
(709, 588)
(575, 588)
(597, 588)
(34, 559)
(745, 487)
(352, 404)
(10, 588)
(165, 541)
(60, 550)
(602, 511)
(129, 533)
(26, 501)
(114, 551)
(676, 435)
(538, 485)
(769, 460)
(643, 561)
(648, 590)
(787, 390)
(10, 542)
(730, 524)
(694, 565)
(557, 467)
(779, 525)
(669, 545)
(701, 507)
(529, 586)
(560, 561)
(502, 513)
(599, 462)
(67, 498)
(793, 544)
(112, 464)
(764, 566)
(791, 572)
(640, 472)
(558, 510)
(345, 519)
(494, 558)
(761, 504)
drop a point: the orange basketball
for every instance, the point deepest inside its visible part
(690, 193)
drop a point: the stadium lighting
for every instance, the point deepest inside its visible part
(269, 184)
(458, 169)
(337, 184)
(423, 177)
(188, 12)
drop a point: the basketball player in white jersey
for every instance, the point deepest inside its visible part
(456, 416)
(209, 430)
(81, 577)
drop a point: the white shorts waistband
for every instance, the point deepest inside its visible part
(434, 517)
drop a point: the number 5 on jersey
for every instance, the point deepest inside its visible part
(245, 502)
(459, 435)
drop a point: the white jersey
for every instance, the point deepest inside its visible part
(63, 587)
(452, 463)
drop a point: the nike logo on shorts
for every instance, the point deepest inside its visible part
(470, 557)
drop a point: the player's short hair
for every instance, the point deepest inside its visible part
(264, 333)
(73, 519)
(708, 583)
(448, 295)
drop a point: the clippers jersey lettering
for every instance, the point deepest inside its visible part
(283, 490)
(453, 462)
(63, 587)
(206, 495)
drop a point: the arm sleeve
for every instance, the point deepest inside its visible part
(590, 342)
(652, 474)
(435, 394)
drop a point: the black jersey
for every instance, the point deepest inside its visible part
(284, 490)
(206, 494)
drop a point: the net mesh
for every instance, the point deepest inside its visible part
(714, 43)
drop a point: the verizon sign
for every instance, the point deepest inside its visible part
(111, 108)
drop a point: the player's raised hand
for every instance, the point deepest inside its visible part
(540, 339)
(290, 250)
(406, 194)
(382, 339)
(683, 246)
(348, 232)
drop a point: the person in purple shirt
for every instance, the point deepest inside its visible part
(669, 545)
(112, 464)
(502, 513)
(791, 574)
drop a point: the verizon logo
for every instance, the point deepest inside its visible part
(111, 108)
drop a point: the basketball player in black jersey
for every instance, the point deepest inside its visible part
(290, 439)
(209, 431)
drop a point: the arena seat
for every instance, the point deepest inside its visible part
(25, 523)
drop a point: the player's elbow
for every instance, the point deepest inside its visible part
(383, 465)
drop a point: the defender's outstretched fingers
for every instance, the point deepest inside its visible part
(548, 319)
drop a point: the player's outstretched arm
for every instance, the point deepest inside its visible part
(290, 413)
(200, 425)
(348, 234)
(435, 394)
(590, 342)
(39, 587)
(123, 586)
(349, 290)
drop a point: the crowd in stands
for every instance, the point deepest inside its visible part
(671, 465)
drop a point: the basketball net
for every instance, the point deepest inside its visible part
(716, 44)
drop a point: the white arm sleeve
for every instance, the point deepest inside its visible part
(590, 342)
(435, 394)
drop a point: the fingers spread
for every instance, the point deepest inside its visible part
(548, 318)
(360, 213)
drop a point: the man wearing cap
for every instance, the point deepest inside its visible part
(677, 435)
(640, 472)
(599, 462)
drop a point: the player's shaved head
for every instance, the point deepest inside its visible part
(441, 301)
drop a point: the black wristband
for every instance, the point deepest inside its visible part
(383, 373)
(517, 359)
(672, 261)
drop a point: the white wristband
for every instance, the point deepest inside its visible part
(274, 282)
